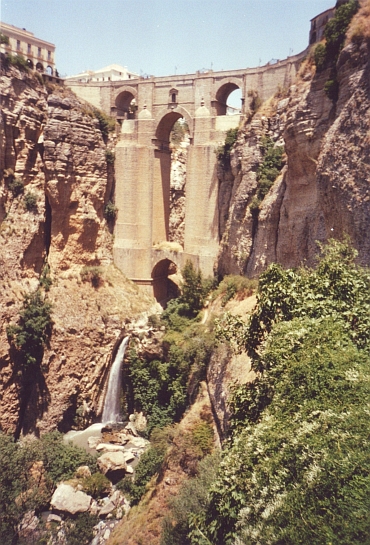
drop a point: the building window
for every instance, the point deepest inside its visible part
(173, 97)
(18, 45)
(39, 51)
(49, 55)
(29, 49)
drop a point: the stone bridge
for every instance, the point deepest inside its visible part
(146, 109)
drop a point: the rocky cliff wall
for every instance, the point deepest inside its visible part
(322, 192)
(52, 143)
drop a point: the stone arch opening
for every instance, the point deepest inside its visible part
(169, 181)
(49, 70)
(126, 106)
(30, 64)
(164, 288)
(39, 67)
(222, 96)
(234, 102)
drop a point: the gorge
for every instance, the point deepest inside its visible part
(93, 236)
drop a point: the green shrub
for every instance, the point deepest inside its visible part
(233, 285)
(161, 389)
(149, 464)
(45, 278)
(306, 453)
(30, 201)
(110, 156)
(97, 485)
(320, 57)
(79, 531)
(180, 524)
(336, 28)
(331, 89)
(193, 290)
(18, 61)
(33, 329)
(4, 39)
(268, 171)
(106, 124)
(16, 186)
(93, 274)
(110, 211)
(223, 152)
(178, 132)
(61, 459)
(256, 101)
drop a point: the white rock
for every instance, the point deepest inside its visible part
(66, 498)
(107, 508)
(109, 447)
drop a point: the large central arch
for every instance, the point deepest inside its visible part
(162, 172)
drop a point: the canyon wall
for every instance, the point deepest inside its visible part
(322, 192)
(52, 143)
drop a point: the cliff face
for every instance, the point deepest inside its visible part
(322, 192)
(53, 145)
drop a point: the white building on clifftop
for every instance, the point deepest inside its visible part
(113, 72)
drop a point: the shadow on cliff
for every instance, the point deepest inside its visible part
(33, 394)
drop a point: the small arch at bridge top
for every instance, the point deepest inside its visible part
(164, 288)
(126, 103)
(225, 88)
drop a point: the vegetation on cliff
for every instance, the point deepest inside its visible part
(29, 472)
(326, 54)
(296, 466)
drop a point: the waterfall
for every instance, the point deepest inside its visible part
(111, 410)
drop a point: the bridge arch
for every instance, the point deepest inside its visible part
(225, 87)
(164, 123)
(125, 102)
(164, 288)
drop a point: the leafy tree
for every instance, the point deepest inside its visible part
(33, 329)
(193, 290)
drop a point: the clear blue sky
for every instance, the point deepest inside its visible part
(163, 37)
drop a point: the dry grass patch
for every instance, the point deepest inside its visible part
(359, 29)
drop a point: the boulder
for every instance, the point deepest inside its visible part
(109, 447)
(93, 441)
(113, 465)
(107, 508)
(28, 524)
(66, 498)
(139, 442)
(83, 472)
